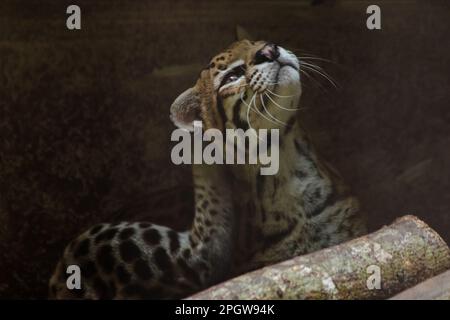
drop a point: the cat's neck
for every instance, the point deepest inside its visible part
(294, 149)
(213, 230)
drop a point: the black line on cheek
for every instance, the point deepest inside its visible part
(221, 110)
(236, 114)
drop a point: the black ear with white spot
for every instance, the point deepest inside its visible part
(186, 109)
(242, 34)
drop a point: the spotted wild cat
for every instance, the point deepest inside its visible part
(243, 220)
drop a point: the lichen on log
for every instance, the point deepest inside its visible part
(405, 253)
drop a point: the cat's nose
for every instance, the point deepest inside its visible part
(268, 53)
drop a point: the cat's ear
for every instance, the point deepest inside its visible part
(186, 109)
(242, 34)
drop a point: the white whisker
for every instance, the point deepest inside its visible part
(313, 79)
(322, 73)
(279, 106)
(267, 111)
(248, 113)
(256, 108)
(279, 95)
(314, 58)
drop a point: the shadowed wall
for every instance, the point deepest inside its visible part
(85, 132)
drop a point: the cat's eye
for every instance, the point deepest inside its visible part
(231, 78)
(233, 75)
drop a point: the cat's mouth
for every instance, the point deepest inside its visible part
(282, 73)
(288, 65)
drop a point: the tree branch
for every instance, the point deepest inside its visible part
(406, 252)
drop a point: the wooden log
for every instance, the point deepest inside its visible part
(405, 253)
(436, 288)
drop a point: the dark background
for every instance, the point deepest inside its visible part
(85, 133)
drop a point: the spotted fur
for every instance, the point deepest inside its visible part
(147, 261)
(243, 220)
